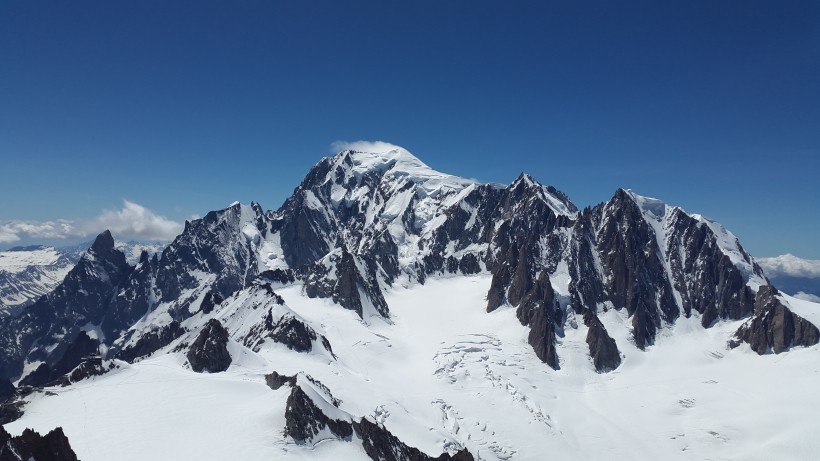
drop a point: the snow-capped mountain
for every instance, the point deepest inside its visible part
(133, 249)
(26, 273)
(389, 311)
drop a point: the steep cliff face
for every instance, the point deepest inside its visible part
(658, 262)
(774, 327)
(46, 329)
(209, 352)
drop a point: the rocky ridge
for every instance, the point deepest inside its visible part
(360, 222)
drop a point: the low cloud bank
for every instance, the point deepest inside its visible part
(132, 220)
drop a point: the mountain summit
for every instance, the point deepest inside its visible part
(319, 287)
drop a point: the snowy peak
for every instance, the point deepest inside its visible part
(422, 303)
(558, 201)
(396, 163)
(650, 207)
(667, 220)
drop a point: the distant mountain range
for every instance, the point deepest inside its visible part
(26, 273)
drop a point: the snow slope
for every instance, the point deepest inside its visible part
(446, 374)
(30, 272)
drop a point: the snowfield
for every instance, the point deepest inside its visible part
(444, 374)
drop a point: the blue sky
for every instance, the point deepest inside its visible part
(180, 108)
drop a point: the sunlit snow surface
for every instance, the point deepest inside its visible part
(446, 374)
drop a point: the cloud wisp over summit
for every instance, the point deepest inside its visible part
(363, 146)
(132, 220)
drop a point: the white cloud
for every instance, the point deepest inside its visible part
(132, 220)
(10, 231)
(7, 236)
(364, 146)
(790, 265)
(807, 297)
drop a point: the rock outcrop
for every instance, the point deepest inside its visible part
(209, 352)
(312, 410)
(293, 333)
(210, 300)
(81, 349)
(151, 341)
(306, 413)
(289, 330)
(774, 327)
(381, 445)
(275, 381)
(30, 445)
(602, 348)
(350, 281)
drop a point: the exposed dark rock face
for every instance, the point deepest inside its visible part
(602, 348)
(288, 330)
(11, 411)
(774, 327)
(344, 279)
(269, 290)
(656, 262)
(275, 381)
(215, 245)
(523, 250)
(303, 228)
(706, 278)
(7, 389)
(45, 330)
(209, 352)
(82, 348)
(293, 333)
(381, 445)
(530, 239)
(586, 284)
(304, 419)
(91, 367)
(39, 377)
(630, 257)
(210, 300)
(539, 309)
(30, 445)
(152, 341)
(279, 276)
(133, 299)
